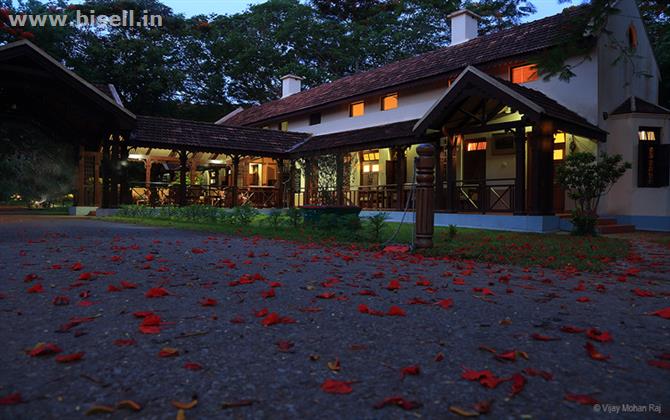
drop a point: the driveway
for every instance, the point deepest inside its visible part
(253, 328)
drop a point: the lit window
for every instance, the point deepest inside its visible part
(370, 156)
(647, 134)
(315, 118)
(558, 154)
(559, 137)
(476, 145)
(390, 101)
(357, 109)
(283, 126)
(524, 74)
(367, 168)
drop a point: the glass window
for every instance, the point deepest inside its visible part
(389, 101)
(283, 126)
(648, 133)
(357, 109)
(476, 145)
(653, 158)
(315, 118)
(524, 74)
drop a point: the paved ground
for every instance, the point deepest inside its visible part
(486, 315)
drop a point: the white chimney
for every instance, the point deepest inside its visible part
(463, 26)
(290, 84)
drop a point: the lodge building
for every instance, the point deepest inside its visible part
(498, 128)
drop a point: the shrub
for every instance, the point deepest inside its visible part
(243, 215)
(350, 222)
(587, 179)
(274, 218)
(376, 224)
(295, 216)
(327, 222)
(451, 233)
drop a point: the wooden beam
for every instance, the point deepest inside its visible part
(520, 170)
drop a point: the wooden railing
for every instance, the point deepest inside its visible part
(481, 196)
(485, 195)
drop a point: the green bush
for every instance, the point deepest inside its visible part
(295, 216)
(327, 222)
(350, 222)
(584, 223)
(376, 225)
(275, 218)
(451, 233)
(243, 215)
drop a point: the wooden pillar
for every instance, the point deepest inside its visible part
(291, 184)
(147, 173)
(425, 210)
(400, 169)
(236, 172)
(279, 201)
(104, 173)
(439, 178)
(451, 204)
(124, 187)
(193, 168)
(339, 178)
(520, 166)
(541, 147)
(309, 169)
(183, 160)
(114, 173)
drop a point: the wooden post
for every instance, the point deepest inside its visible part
(452, 197)
(400, 170)
(309, 169)
(291, 184)
(520, 175)
(104, 172)
(279, 202)
(439, 179)
(425, 210)
(236, 171)
(183, 159)
(126, 196)
(542, 181)
(114, 173)
(339, 178)
(147, 173)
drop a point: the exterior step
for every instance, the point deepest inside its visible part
(609, 228)
(605, 221)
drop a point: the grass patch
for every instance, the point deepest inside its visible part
(524, 249)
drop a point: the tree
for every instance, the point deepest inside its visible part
(586, 180)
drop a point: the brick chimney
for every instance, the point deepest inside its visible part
(463, 26)
(290, 84)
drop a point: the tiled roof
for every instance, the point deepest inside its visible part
(172, 133)
(522, 39)
(369, 137)
(641, 106)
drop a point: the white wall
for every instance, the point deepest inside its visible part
(626, 198)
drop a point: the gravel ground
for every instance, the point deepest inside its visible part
(249, 370)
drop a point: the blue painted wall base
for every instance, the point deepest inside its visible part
(538, 224)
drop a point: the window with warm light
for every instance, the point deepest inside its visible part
(648, 134)
(560, 139)
(283, 126)
(524, 74)
(370, 156)
(632, 36)
(389, 101)
(473, 146)
(357, 109)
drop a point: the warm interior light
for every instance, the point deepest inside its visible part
(375, 167)
(134, 156)
(216, 161)
(559, 137)
(357, 109)
(390, 101)
(366, 168)
(647, 135)
(558, 154)
(476, 145)
(524, 74)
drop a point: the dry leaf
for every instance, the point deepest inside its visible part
(99, 409)
(185, 406)
(129, 404)
(181, 414)
(463, 412)
(335, 365)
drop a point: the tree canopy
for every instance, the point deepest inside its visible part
(202, 67)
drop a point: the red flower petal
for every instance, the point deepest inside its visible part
(396, 311)
(332, 386)
(38, 288)
(124, 342)
(208, 302)
(67, 358)
(572, 330)
(11, 399)
(44, 349)
(518, 382)
(581, 399)
(156, 292)
(399, 402)
(663, 313)
(540, 337)
(446, 303)
(192, 366)
(594, 353)
(410, 371)
(597, 335)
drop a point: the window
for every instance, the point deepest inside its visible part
(648, 134)
(475, 145)
(559, 145)
(524, 74)
(315, 118)
(370, 167)
(389, 101)
(283, 126)
(632, 36)
(652, 158)
(357, 109)
(370, 156)
(503, 144)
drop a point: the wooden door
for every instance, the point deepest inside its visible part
(89, 189)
